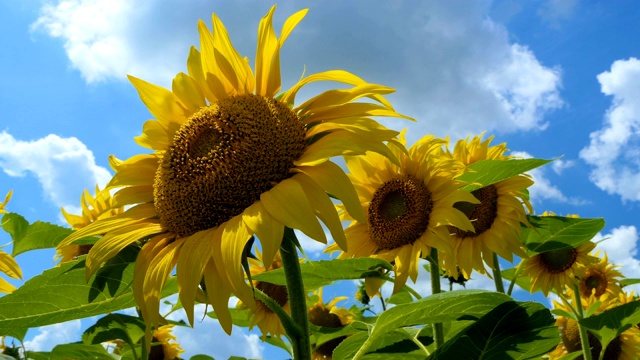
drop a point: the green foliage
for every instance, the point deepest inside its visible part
(487, 172)
(73, 351)
(27, 237)
(556, 232)
(610, 323)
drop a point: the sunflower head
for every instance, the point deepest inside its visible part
(4, 203)
(165, 347)
(496, 215)
(328, 315)
(600, 279)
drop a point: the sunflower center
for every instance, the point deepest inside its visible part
(278, 293)
(594, 280)
(321, 316)
(223, 158)
(570, 335)
(557, 261)
(399, 212)
(481, 215)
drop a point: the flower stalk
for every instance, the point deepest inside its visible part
(438, 332)
(584, 337)
(497, 275)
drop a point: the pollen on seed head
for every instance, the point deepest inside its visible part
(223, 158)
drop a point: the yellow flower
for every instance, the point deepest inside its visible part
(496, 219)
(624, 347)
(600, 279)
(409, 207)
(8, 264)
(267, 321)
(556, 269)
(93, 208)
(166, 349)
(329, 316)
(232, 158)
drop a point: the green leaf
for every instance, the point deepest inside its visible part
(278, 342)
(557, 232)
(80, 351)
(130, 329)
(350, 346)
(487, 172)
(610, 323)
(27, 237)
(201, 357)
(401, 297)
(238, 317)
(18, 333)
(627, 282)
(61, 294)
(450, 306)
(512, 330)
(321, 273)
(522, 281)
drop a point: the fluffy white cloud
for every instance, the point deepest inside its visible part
(614, 150)
(621, 246)
(50, 336)
(457, 71)
(543, 189)
(63, 166)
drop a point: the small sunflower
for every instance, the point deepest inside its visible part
(165, 348)
(232, 158)
(624, 347)
(600, 279)
(497, 218)
(8, 264)
(558, 268)
(409, 207)
(267, 321)
(93, 208)
(330, 316)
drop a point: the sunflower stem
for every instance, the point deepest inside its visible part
(584, 337)
(515, 276)
(497, 275)
(438, 332)
(297, 297)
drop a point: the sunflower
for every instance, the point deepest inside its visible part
(496, 219)
(558, 268)
(600, 279)
(164, 348)
(93, 208)
(8, 264)
(231, 159)
(409, 207)
(267, 321)
(624, 347)
(330, 316)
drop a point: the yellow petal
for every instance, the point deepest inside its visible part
(137, 170)
(218, 293)
(267, 76)
(189, 92)
(287, 203)
(162, 103)
(334, 181)
(133, 195)
(234, 63)
(290, 24)
(268, 230)
(323, 208)
(235, 235)
(146, 254)
(332, 98)
(9, 266)
(194, 67)
(5, 287)
(196, 252)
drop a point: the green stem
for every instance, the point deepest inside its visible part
(297, 297)
(584, 337)
(144, 351)
(515, 276)
(438, 332)
(497, 275)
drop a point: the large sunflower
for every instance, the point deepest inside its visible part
(232, 158)
(625, 346)
(409, 207)
(8, 264)
(496, 219)
(93, 208)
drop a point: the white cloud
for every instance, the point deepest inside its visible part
(63, 166)
(543, 189)
(457, 71)
(553, 11)
(50, 336)
(560, 165)
(614, 149)
(621, 246)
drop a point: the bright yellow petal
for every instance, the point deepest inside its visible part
(218, 295)
(146, 254)
(234, 239)
(9, 266)
(133, 195)
(5, 287)
(267, 75)
(189, 92)
(137, 170)
(234, 66)
(162, 103)
(268, 230)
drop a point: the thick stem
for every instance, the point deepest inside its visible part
(297, 296)
(497, 275)
(438, 332)
(584, 337)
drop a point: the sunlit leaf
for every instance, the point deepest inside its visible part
(487, 172)
(321, 273)
(27, 237)
(557, 232)
(610, 323)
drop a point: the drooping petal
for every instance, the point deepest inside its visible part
(218, 293)
(268, 230)
(9, 266)
(235, 236)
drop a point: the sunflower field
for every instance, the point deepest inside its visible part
(232, 166)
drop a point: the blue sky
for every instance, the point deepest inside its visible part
(551, 78)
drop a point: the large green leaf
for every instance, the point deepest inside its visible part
(557, 232)
(487, 172)
(73, 351)
(512, 330)
(62, 294)
(27, 237)
(321, 273)
(130, 329)
(610, 323)
(444, 307)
